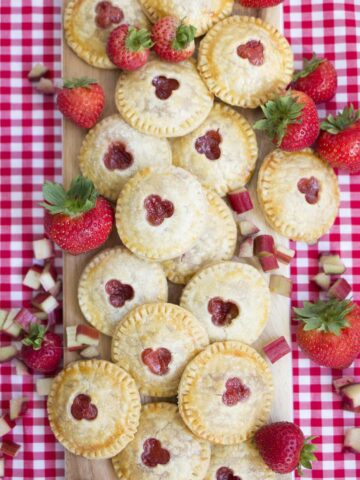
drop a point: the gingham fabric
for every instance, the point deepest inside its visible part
(30, 32)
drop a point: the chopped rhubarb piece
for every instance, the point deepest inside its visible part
(45, 302)
(56, 289)
(10, 449)
(284, 254)
(24, 318)
(72, 344)
(276, 349)
(48, 277)
(264, 245)
(87, 335)
(341, 382)
(340, 289)
(246, 248)
(21, 368)
(46, 86)
(90, 352)
(43, 249)
(18, 407)
(2, 468)
(43, 386)
(352, 441)
(6, 424)
(37, 72)
(322, 280)
(240, 200)
(280, 285)
(350, 395)
(32, 278)
(9, 326)
(3, 315)
(248, 228)
(332, 264)
(39, 314)
(8, 353)
(268, 262)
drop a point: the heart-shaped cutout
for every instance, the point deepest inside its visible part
(117, 157)
(310, 188)
(164, 86)
(157, 209)
(209, 144)
(154, 454)
(235, 392)
(107, 15)
(222, 312)
(83, 409)
(253, 50)
(119, 293)
(225, 473)
(157, 360)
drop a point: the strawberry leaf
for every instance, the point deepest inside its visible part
(308, 67)
(79, 82)
(35, 336)
(344, 119)
(307, 455)
(185, 34)
(138, 40)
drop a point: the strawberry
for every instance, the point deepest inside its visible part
(173, 41)
(284, 448)
(259, 3)
(318, 79)
(77, 220)
(82, 101)
(128, 47)
(41, 350)
(329, 332)
(339, 140)
(291, 121)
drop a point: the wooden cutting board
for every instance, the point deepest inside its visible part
(77, 468)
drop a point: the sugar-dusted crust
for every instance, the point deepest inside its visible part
(176, 234)
(86, 39)
(176, 116)
(189, 456)
(238, 283)
(239, 151)
(234, 79)
(116, 397)
(158, 325)
(146, 152)
(147, 279)
(217, 243)
(285, 207)
(202, 387)
(243, 459)
(202, 14)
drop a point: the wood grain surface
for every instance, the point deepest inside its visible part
(81, 469)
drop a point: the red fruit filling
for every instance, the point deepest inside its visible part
(157, 209)
(222, 313)
(107, 15)
(119, 293)
(253, 50)
(157, 360)
(83, 409)
(164, 86)
(225, 473)
(117, 157)
(235, 392)
(209, 144)
(153, 454)
(310, 188)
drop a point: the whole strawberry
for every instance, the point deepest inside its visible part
(329, 332)
(284, 448)
(128, 47)
(291, 121)
(339, 140)
(259, 3)
(318, 79)
(77, 220)
(41, 350)
(81, 100)
(173, 40)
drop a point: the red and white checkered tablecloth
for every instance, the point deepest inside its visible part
(30, 152)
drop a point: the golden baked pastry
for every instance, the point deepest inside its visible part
(94, 408)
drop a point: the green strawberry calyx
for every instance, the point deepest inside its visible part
(78, 82)
(328, 317)
(35, 336)
(185, 34)
(279, 114)
(307, 455)
(343, 120)
(308, 67)
(80, 198)
(138, 40)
